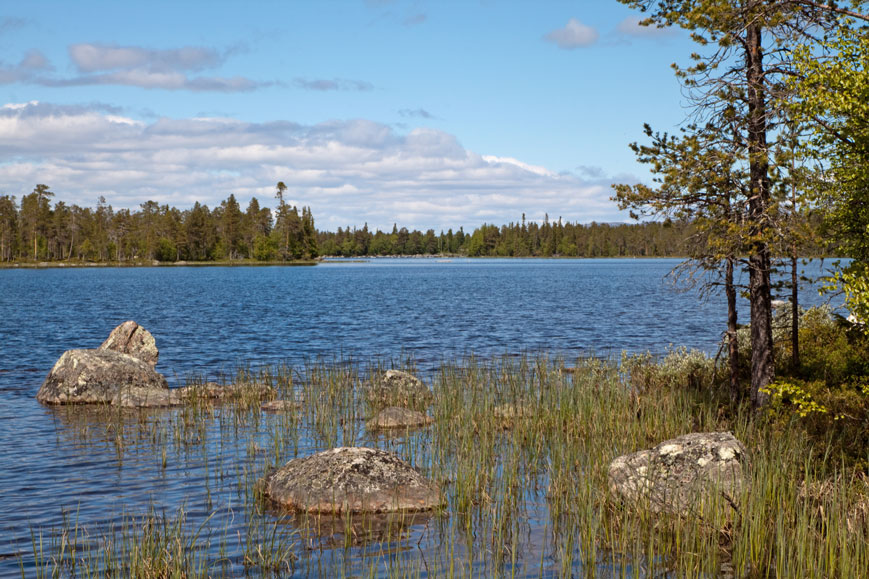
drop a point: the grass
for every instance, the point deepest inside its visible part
(526, 492)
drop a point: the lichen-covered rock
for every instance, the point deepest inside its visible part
(131, 338)
(397, 417)
(680, 473)
(397, 388)
(99, 376)
(348, 479)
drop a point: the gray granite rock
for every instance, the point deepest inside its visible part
(99, 376)
(131, 338)
(678, 474)
(350, 479)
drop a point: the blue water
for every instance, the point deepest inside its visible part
(209, 320)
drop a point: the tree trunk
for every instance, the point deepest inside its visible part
(795, 312)
(762, 363)
(732, 344)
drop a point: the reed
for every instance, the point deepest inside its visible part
(521, 447)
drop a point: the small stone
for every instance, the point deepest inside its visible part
(509, 414)
(397, 388)
(280, 406)
(396, 417)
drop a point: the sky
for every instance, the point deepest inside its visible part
(429, 114)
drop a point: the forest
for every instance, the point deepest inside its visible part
(37, 230)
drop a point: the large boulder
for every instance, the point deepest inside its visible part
(350, 479)
(100, 376)
(131, 338)
(397, 417)
(681, 473)
(397, 388)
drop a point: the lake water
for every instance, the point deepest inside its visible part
(55, 463)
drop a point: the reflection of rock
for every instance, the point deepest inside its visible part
(359, 529)
(395, 417)
(397, 388)
(131, 338)
(679, 473)
(355, 480)
(99, 376)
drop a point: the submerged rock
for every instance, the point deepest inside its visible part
(100, 376)
(280, 406)
(680, 473)
(396, 417)
(508, 414)
(212, 391)
(397, 388)
(348, 479)
(131, 338)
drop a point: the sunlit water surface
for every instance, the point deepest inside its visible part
(80, 466)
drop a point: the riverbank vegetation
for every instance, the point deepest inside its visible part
(526, 493)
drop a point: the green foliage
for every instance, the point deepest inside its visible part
(795, 393)
(834, 93)
(166, 250)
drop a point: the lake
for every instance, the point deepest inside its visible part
(62, 464)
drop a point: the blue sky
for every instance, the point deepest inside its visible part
(429, 114)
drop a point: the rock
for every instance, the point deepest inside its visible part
(510, 412)
(507, 415)
(215, 391)
(354, 480)
(280, 406)
(395, 417)
(680, 473)
(139, 397)
(100, 376)
(397, 388)
(131, 338)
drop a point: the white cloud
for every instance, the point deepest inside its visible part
(349, 172)
(100, 57)
(101, 64)
(631, 26)
(321, 84)
(574, 35)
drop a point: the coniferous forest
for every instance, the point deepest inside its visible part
(37, 229)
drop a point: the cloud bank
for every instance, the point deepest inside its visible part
(349, 172)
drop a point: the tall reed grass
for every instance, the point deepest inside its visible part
(521, 448)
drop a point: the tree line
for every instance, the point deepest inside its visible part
(516, 239)
(36, 230)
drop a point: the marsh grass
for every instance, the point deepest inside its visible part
(525, 489)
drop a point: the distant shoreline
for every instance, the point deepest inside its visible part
(313, 262)
(109, 264)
